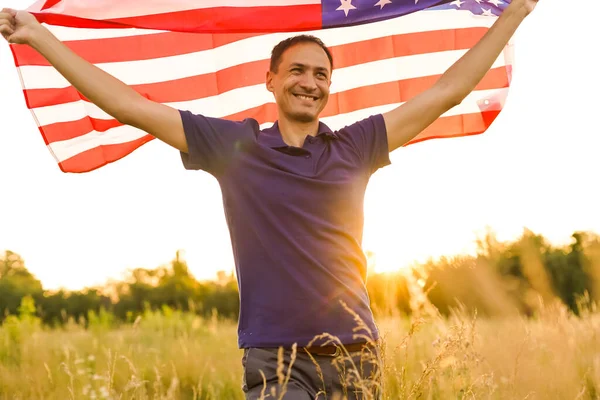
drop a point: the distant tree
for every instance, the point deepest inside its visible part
(567, 267)
(222, 297)
(53, 307)
(16, 282)
(79, 304)
(530, 264)
(172, 285)
(178, 288)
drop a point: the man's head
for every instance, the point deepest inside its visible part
(299, 77)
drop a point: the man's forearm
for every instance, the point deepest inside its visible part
(467, 72)
(102, 89)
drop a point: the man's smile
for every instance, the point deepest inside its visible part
(306, 97)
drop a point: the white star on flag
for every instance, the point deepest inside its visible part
(487, 13)
(382, 3)
(497, 3)
(457, 3)
(346, 6)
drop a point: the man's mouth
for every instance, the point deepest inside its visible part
(306, 97)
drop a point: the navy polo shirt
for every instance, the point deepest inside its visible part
(295, 217)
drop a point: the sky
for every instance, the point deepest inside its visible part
(535, 168)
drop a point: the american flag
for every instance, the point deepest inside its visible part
(210, 57)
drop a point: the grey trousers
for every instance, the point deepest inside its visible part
(349, 376)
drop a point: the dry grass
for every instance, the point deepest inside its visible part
(555, 356)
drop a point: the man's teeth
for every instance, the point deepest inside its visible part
(305, 97)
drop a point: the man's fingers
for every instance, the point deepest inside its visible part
(9, 11)
(7, 26)
(6, 31)
(8, 17)
(8, 22)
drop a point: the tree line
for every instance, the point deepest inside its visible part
(503, 278)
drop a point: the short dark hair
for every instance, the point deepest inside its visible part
(282, 46)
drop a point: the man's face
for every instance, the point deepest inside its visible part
(301, 83)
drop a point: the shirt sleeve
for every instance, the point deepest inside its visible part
(369, 139)
(213, 142)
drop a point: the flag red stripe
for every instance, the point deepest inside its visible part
(97, 157)
(72, 129)
(253, 73)
(208, 20)
(339, 103)
(132, 48)
(146, 47)
(445, 127)
(366, 97)
(457, 126)
(50, 4)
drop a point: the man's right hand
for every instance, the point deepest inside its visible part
(18, 26)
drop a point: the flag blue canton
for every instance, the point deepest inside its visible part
(351, 12)
(336, 13)
(477, 7)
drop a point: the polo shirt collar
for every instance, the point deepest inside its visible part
(271, 137)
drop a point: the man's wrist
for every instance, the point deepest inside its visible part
(39, 35)
(517, 9)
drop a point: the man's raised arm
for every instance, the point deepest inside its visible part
(408, 120)
(107, 92)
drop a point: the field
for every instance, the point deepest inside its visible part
(171, 355)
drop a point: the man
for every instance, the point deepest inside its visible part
(293, 197)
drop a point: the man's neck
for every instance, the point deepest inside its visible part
(294, 133)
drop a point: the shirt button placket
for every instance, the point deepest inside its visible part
(311, 140)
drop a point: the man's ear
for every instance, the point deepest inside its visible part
(269, 81)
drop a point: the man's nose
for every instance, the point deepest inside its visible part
(308, 83)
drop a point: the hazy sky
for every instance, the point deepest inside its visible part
(536, 167)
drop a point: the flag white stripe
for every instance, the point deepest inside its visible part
(398, 68)
(114, 9)
(184, 66)
(67, 34)
(468, 106)
(240, 52)
(66, 149)
(224, 104)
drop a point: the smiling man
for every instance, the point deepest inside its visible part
(293, 197)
